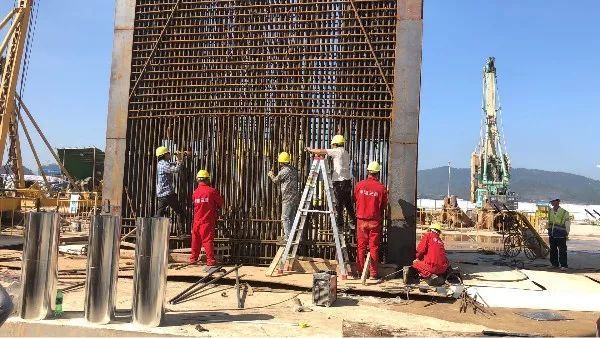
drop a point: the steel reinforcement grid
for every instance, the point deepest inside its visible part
(237, 81)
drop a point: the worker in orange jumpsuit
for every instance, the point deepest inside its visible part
(431, 254)
(371, 200)
(207, 202)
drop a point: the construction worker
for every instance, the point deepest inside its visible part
(164, 186)
(287, 178)
(431, 253)
(342, 180)
(6, 305)
(207, 202)
(558, 226)
(371, 201)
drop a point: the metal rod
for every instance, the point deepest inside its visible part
(201, 280)
(11, 30)
(212, 281)
(8, 17)
(32, 147)
(237, 289)
(39, 130)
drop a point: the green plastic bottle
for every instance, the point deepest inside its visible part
(58, 310)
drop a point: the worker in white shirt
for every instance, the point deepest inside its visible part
(342, 180)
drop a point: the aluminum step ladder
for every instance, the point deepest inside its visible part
(286, 260)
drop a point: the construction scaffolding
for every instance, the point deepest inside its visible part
(235, 83)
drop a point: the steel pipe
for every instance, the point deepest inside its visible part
(39, 271)
(150, 270)
(102, 269)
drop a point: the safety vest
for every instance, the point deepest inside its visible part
(558, 217)
(557, 221)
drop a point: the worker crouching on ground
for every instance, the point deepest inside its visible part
(431, 254)
(558, 230)
(371, 201)
(287, 178)
(342, 180)
(207, 202)
(164, 186)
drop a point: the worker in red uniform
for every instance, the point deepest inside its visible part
(431, 254)
(371, 200)
(207, 201)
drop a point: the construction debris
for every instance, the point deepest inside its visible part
(468, 301)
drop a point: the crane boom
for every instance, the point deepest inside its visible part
(14, 41)
(490, 165)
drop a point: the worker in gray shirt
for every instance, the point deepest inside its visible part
(287, 177)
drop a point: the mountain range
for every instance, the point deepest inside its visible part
(531, 185)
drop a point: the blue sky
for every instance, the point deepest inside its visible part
(548, 64)
(547, 56)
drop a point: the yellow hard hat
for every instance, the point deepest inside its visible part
(374, 167)
(436, 226)
(284, 157)
(338, 139)
(203, 174)
(160, 151)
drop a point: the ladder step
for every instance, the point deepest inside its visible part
(316, 211)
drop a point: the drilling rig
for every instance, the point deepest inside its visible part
(490, 164)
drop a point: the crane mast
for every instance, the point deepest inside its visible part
(490, 165)
(14, 43)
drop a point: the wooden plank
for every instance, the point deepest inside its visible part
(269, 271)
(311, 265)
(363, 277)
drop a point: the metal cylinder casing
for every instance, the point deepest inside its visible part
(102, 269)
(39, 271)
(150, 270)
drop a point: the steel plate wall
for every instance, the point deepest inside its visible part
(236, 82)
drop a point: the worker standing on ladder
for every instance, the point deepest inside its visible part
(164, 186)
(207, 202)
(371, 201)
(342, 180)
(287, 178)
(558, 230)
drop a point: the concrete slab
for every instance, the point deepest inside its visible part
(562, 291)
(265, 314)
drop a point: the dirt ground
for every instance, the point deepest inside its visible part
(580, 324)
(272, 312)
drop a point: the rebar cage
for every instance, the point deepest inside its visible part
(237, 81)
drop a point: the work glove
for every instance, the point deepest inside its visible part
(271, 174)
